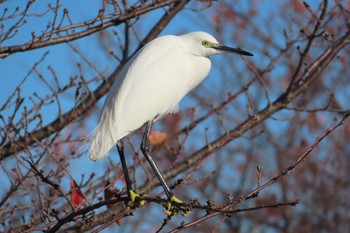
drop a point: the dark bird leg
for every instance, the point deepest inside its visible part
(171, 210)
(147, 154)
(132, 195)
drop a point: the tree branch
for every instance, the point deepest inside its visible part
(57, 125)
(46, 39)
(310, 76)
(313, 73)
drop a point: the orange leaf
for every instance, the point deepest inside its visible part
(344, 61)
(157, 138)
(298, 6)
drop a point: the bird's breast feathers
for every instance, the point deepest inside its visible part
(154, 82)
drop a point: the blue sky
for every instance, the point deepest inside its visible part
(63, 60)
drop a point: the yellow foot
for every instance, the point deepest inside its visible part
(173, 210)
(185, 213)
(136, 199)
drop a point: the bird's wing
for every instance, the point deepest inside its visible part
(153, 85)
(149, 86)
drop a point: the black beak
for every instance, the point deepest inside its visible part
(232, 50)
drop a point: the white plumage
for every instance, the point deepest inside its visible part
(152, 84)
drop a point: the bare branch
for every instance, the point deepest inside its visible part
(74, 114)
(88, 28)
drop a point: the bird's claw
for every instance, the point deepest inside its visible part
(186, 212)
(136, 200)
(172, 210)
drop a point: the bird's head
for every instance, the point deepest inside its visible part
(204, 44)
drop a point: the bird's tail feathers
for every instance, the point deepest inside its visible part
(101, 142)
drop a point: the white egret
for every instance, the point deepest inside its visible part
(149, 87)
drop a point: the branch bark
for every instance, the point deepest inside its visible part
(306, 79)
(74, 114)
(40, 42)
(301, 86)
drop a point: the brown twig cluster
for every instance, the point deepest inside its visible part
(293, 83)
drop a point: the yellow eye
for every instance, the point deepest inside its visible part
(205, 43)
